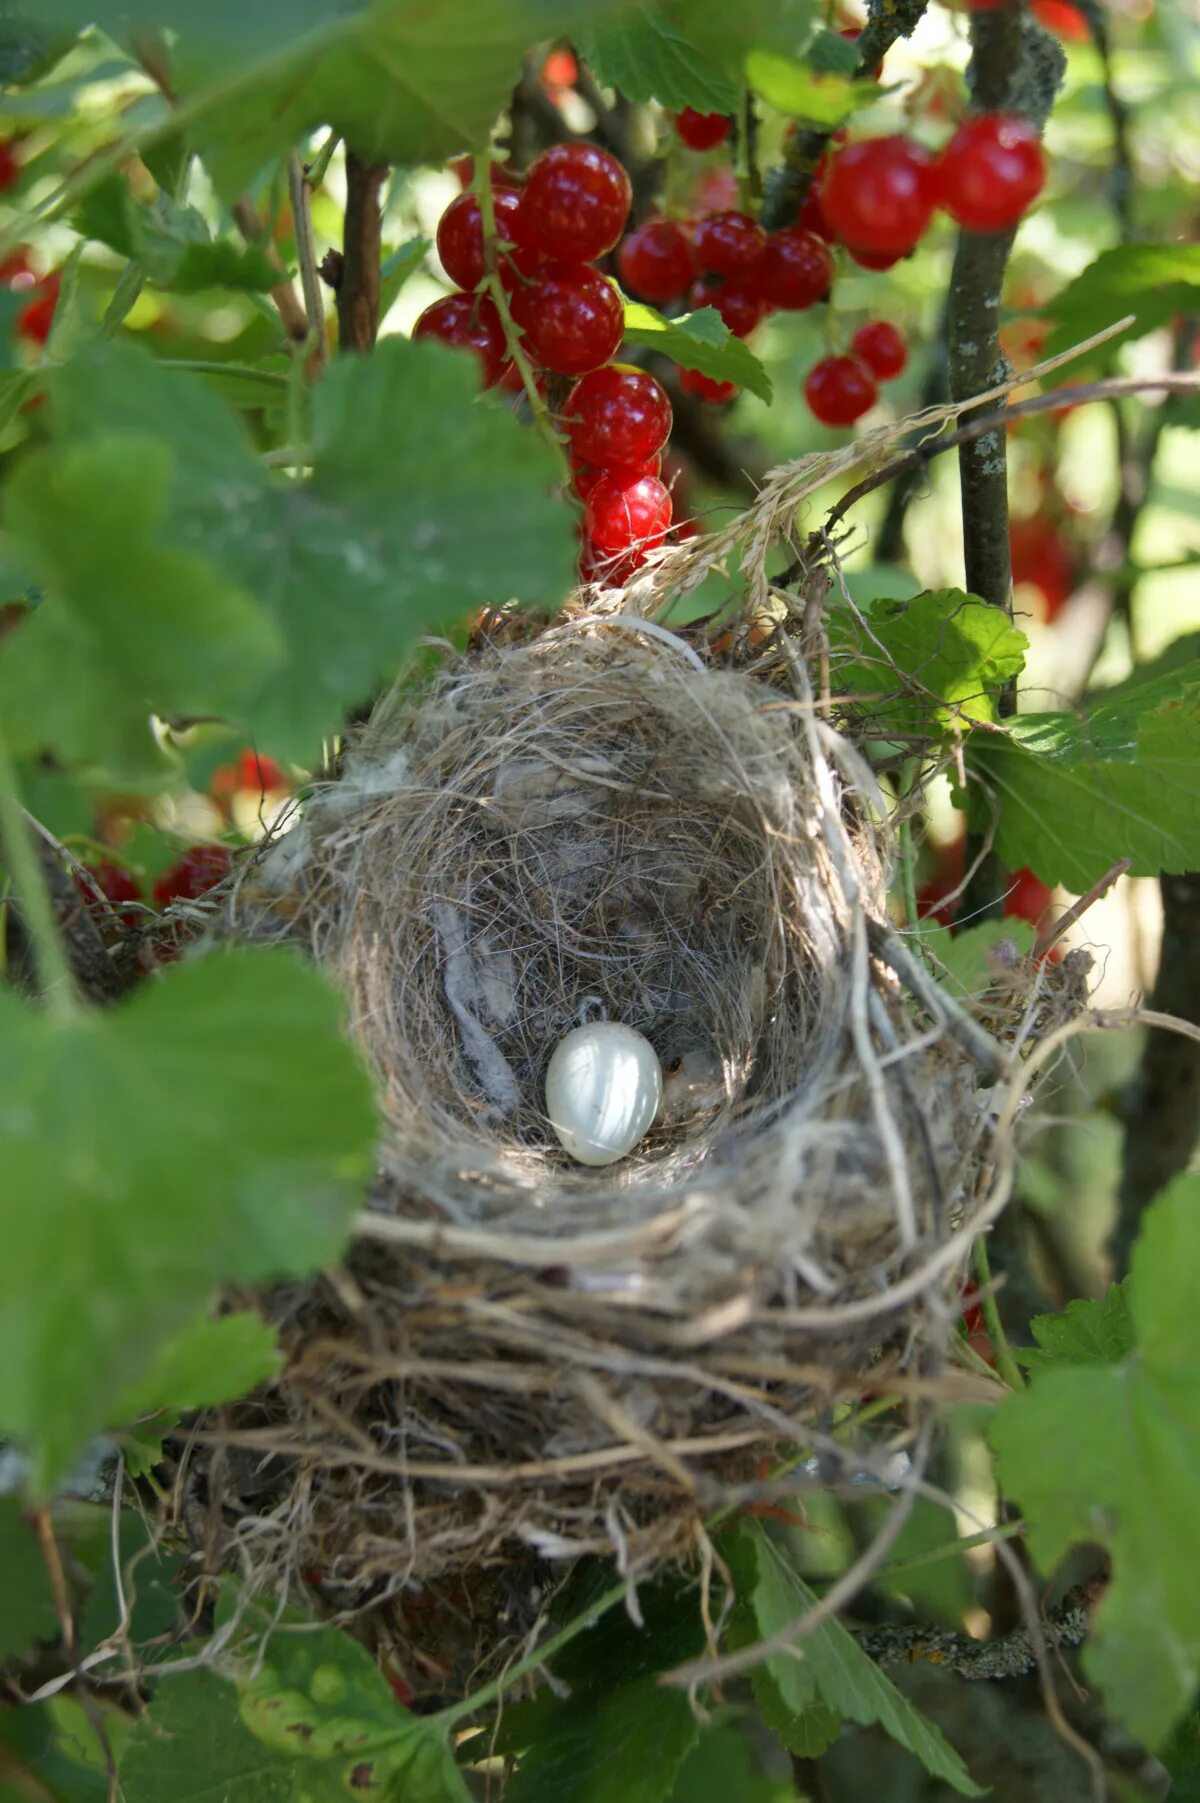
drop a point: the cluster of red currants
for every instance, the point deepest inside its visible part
(109, 888)
(550, 231)
(877, 197)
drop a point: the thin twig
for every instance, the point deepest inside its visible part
(306, 255)
(974, 1040)
(291, 313)
(1058, 400)
(1055, 931)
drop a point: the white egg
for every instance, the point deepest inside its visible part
(603, 1089)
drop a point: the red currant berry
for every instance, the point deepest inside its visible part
(839, 390)
(560, 70)
(116, 886)
(879, 194)
(469, 322)
(617, 415)
(1028, 898)
(577, 199)
(702, 131)
(1065, 20)
(740, 306)
(38, 317)
(881, 347)
(811, 214)
(727, 243)
(795, 270)
(991, 171)
(502, 176)
(623, 474)
(460, 237)
(871, 259)
(198, 871)
(10, 169)
(619, 517)
(655, 262)
(571, 316)
(706, 388)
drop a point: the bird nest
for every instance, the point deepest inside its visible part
(523, 1359)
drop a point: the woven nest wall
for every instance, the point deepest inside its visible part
(526, 1359)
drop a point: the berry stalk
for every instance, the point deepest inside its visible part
(494, 287)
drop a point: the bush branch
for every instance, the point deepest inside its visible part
(358, 279)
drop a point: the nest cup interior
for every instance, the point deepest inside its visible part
(595, 826)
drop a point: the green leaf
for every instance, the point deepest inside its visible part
(1077, 793)
(172, 243)
(832, 54)
(700, 341)
(317, 1723)
(131, 623)
(1085, 1333)
(402, 526)
(724, 1765)
(647, 55)
(1154, 282)
(969, 960)
(608, 1746)
(214, 1128)
(211, 1362)
(26, 1601)
(794, 88)
(1110, 1453)
(829, 1664)
(400, 81)
(402, 263)
(954, 646)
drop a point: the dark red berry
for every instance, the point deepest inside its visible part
(115, 886)
(706, 388)
(879, 194)
(739, 305)
(198, 871)
(619, 517)
(502, 176)
(1028, 898)
(811, 215)
(991, 172)
(460, 238)
(795, 270)
(881, 347)
(577, 200)
(655, 262)
(467, 322)
(728, 243)
(572, 318)
(873, 259)
(587, 478)
(702, 131)
(10, 169)
(839, 390)
(37, 318)
(617, 415)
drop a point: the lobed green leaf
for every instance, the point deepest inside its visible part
(217, 1127)
(699, 340)
(1109, 1452)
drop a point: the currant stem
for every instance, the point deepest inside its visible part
(495, 290)
(54, 973)
(1006, 1364)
